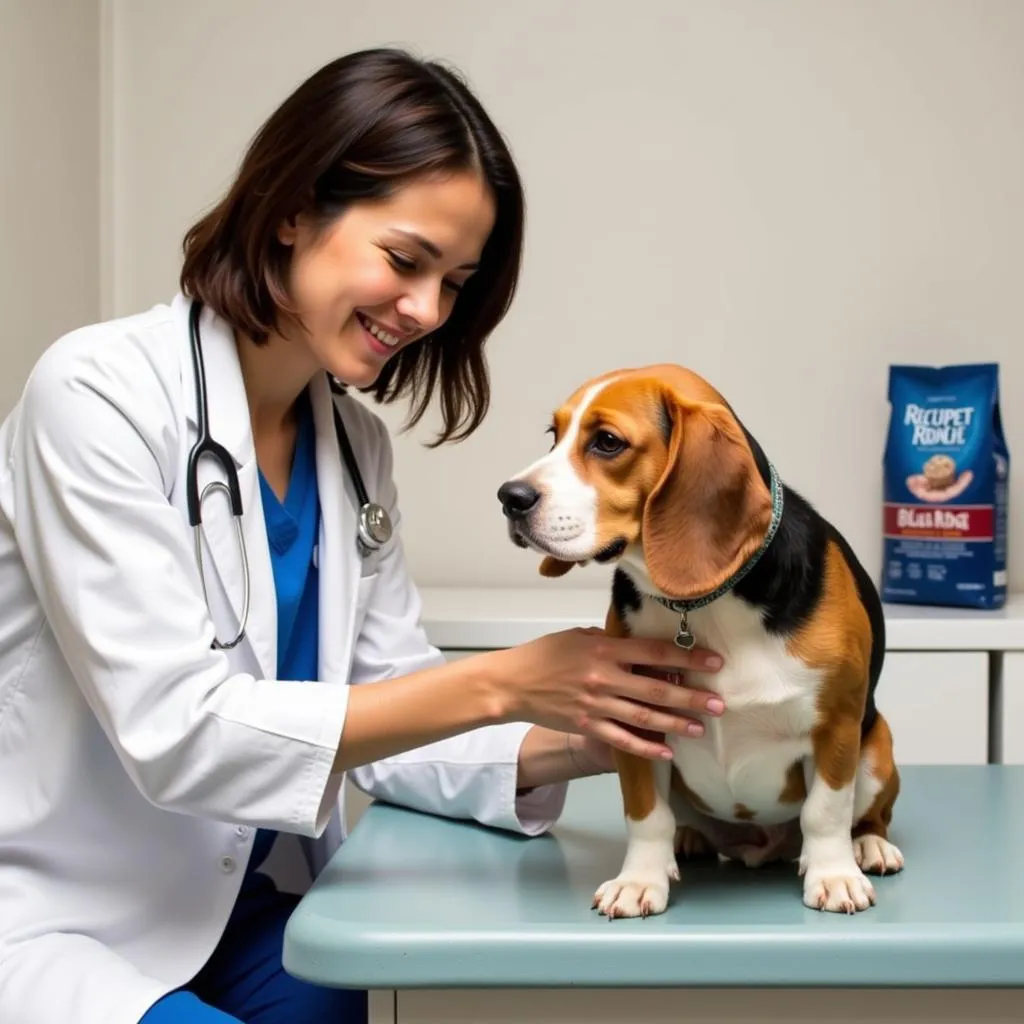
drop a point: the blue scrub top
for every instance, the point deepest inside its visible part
(293, 527)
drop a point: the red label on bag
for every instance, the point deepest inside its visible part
(942, 522)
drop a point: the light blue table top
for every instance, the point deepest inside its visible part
(412, 901)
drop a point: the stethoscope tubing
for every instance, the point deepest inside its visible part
(374, 526)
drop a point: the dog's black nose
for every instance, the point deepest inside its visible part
(517, 498)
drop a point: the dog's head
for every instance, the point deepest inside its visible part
(648, 463)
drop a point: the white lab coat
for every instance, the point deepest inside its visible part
(136, 761)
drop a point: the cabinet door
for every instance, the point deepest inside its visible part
(936, 703)
(1010, 711)
(705, 1006)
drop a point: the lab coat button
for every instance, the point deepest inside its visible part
(242, 832)
(227, 865)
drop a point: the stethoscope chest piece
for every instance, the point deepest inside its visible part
(374, 527)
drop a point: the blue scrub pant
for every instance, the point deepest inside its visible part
(244, 982)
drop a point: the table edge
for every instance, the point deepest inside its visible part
(982, 956)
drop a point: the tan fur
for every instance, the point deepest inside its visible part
(795, 789)
(709, 502)
(838, 641)
(877, 746)
(636, 774)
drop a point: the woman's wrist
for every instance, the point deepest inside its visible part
(582, 759)
(497, 677)
(547, 757)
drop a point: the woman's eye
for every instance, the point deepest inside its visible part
(607, 443)
(407, 265)
(401, 262)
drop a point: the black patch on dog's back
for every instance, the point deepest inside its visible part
(787, 582)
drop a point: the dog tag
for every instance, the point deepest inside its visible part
(684, 638)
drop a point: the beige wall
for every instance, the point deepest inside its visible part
(761, 190)
(49, 178)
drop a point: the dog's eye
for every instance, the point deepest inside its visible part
(607, 443)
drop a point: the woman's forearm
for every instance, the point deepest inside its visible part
(396, 715)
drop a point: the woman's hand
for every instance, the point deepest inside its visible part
(582, 681)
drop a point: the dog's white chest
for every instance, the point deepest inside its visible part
(742, 768)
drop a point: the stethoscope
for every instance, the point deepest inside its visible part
(374, 528)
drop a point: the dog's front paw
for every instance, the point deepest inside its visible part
(877, 856)
(839, 888)
(636, 895)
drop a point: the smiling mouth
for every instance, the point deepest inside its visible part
(383, 336)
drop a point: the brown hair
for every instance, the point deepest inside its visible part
(359, 128)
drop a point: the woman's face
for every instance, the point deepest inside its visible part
(386, 272)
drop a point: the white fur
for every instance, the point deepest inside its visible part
(565, 522)
(743, 757)
(641, 887)
(832, 879)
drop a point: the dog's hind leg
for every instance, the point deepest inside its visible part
(878, 786)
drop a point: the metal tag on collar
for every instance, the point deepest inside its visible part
(374, 527)
(684, 638)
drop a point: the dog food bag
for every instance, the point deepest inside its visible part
(946, 482)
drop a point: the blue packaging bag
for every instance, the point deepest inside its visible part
(946, 488)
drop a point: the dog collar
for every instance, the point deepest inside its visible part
(684, 638)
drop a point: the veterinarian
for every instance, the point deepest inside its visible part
(201, 563)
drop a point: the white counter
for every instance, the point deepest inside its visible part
(485, 618)
(952, 686)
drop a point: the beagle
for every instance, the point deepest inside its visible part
(651, 469)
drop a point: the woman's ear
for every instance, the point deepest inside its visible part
(288, 231)
(291, 227)
(710, 510)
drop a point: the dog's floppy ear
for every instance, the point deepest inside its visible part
(711, 509)
(553, 567)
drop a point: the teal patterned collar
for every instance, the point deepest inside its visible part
(684, 638)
